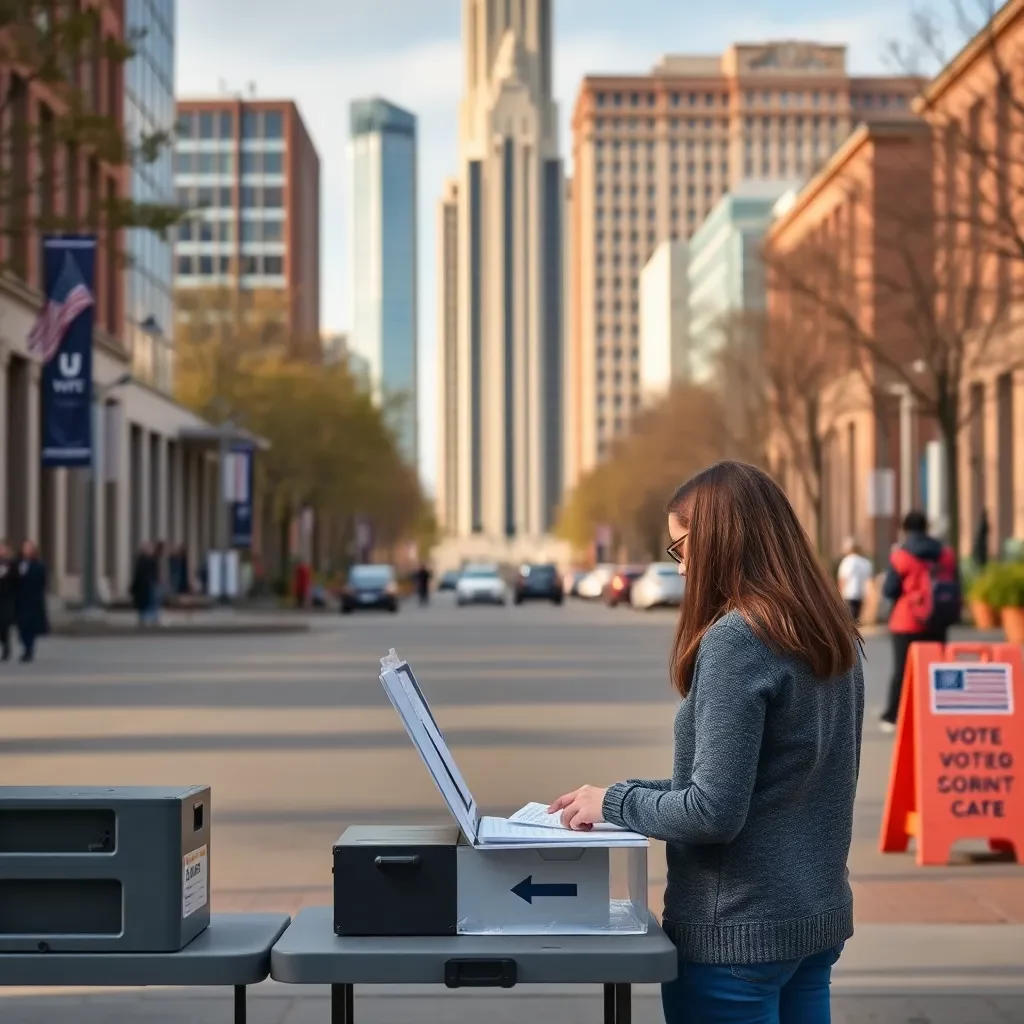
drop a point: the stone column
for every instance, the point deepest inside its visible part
(145, 489)
(4, 470)
(32, 451)
(161, 492)
(178, 532)
(122, 512)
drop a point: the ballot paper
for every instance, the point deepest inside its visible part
(407, 698)
(537, 815)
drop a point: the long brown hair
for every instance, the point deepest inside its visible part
(748, 552)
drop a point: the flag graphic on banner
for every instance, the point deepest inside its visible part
(981, 689)
(69, 299)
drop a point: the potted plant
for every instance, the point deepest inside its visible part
(1008, 596)
(980, 598)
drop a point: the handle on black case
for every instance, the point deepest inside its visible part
(409, 861)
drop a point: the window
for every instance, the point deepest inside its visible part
(205, 231)
(224, 264)
(251, 122)
(273, 265)
(184, 264)
(226, 128)
(599, 97)
(225, 231)
(206, 265)
(206, 124)
(226, 163)
(271, 231)
(225, 196)
(185, 231)
(250, 196)
(183, 163)
(251, 230)
(186, 126)
(205, 197)
(250, 264)
(273, 124)
(205, 163)
(273, 163)
(252, 163)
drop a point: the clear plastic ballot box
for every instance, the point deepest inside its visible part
(481, 875)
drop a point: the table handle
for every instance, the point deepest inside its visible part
(411, 861)
(480, 972)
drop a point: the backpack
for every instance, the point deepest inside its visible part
(935, 602)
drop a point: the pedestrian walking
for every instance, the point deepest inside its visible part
(854, 575)
(8, 587)
(30, 600)
(758, 814)
(144, 584)
(923, 584)
(423, 578)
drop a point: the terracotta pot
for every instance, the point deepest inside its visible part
(1013, 624)
(984, 615)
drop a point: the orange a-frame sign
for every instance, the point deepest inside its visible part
(959, 741)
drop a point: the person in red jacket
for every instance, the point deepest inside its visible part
(923, 584)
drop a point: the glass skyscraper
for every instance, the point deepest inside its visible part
(382, 255)
(148, 109)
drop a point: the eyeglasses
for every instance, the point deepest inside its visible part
(675, 549)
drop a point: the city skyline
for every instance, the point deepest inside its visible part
(412, 54)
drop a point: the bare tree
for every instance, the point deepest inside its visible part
(902, 283)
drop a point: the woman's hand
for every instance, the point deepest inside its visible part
(581, 809)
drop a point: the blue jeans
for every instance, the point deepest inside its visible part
(789, 992)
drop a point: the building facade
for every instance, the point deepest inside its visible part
(449, 446)
(249, 170)
(652, 155)
(664, 316)
(860, 469)
(156, 476)
(382, 259)
(726, 271)
(501, 454)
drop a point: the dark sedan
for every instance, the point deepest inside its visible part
(448, 580)
(539, 583)
(370, 587)
(619, 586)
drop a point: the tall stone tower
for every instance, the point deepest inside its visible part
(500, 323)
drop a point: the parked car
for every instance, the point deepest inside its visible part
(370, 587)
(660, 586)
(448, 580)
(571, 582)
(592, 585)
(618, 587)
(481, 584)
(538, 583)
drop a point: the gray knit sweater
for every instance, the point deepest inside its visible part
(758, 815)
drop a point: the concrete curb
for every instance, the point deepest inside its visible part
(103, 631)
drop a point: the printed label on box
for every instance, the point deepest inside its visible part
(193, 882)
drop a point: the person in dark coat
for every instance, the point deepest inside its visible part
(423, 576)
(8, 587)
(981, 536)
(30, 600)
(144, 583)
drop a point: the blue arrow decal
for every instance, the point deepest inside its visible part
(527, 889)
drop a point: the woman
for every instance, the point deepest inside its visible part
(30, 600)
(758, 814)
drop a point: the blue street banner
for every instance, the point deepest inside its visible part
(241, 495)
(62, 338)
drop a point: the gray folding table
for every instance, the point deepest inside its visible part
(233, 951)
(309, 953)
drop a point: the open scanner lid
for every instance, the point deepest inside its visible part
(408, 700)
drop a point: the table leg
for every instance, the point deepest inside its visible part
(618, 1005)
(239, 1004)
(342, 1004)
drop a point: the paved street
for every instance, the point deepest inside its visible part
(297, 740)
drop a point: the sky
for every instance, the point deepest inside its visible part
(324, 53)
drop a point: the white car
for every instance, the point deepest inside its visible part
(592, 585)
(481, 584)
(661, 586)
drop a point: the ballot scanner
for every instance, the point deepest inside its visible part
(481, 875)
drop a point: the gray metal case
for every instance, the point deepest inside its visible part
(123, 869)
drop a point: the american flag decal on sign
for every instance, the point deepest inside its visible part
(971, 689)
(69, 299)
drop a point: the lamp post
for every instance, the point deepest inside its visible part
(89, 602)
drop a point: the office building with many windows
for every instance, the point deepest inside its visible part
(382, 259)
(148, 111)
(652, 155)
(249, 170)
